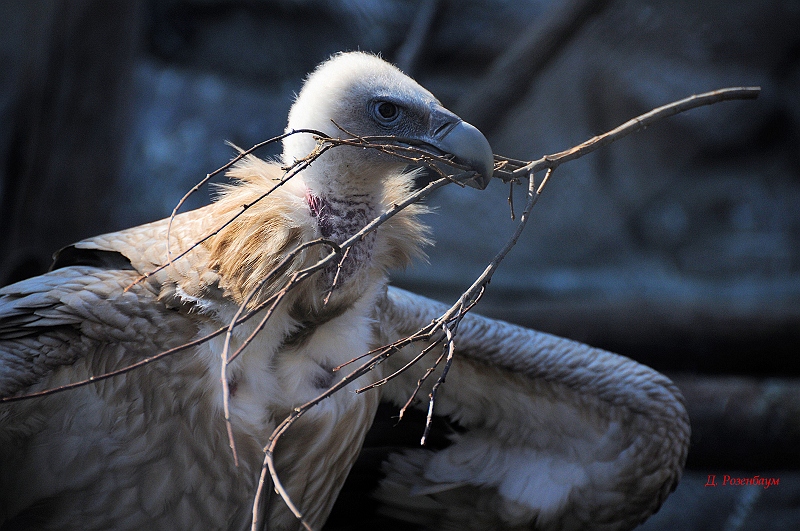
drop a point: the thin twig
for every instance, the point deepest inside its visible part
(111, 374)
(399, 371)
(387, 144)
(511, 200)
(225, 361)
(336, 277)
(290, 172)
(631, 126)
(420, 383)
(450, 348)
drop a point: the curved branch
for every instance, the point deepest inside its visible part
(510, 169)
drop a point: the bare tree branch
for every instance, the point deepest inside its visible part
(511, 169)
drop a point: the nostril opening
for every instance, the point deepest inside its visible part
(444, 129)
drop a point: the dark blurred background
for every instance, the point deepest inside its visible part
(678, 246)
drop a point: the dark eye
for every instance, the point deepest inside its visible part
(385, 111)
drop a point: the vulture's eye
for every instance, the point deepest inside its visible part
(385, 112)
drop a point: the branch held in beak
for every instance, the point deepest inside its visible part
(450, 134)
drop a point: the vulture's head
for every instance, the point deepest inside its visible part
(367, 96)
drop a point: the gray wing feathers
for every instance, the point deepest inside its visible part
(556, 432)
(49, 321)
(540, 356)
(91, 299)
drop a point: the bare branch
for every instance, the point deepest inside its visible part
(336, 277)
(457, 311)
(513, 169)
(450, 349)
(387, 144)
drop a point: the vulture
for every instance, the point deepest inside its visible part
(548, 433)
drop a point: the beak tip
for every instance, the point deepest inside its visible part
(464, 141)
(483, 175)
(482, 160)
(474, 151)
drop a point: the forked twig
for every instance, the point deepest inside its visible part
(225, 360)
(514, 169)
(449, 349)
(335, 282)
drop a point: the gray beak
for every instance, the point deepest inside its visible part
(450, 134)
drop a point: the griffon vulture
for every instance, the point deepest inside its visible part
(555, 434)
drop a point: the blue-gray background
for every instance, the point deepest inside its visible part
(678, 246)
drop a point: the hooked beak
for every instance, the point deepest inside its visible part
(450, 134)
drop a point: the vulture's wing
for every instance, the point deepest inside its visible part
(111, 454)
(555, 432)
(82, 308)
(95, 302)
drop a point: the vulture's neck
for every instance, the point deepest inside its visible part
(338, 219)
(248, 249)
